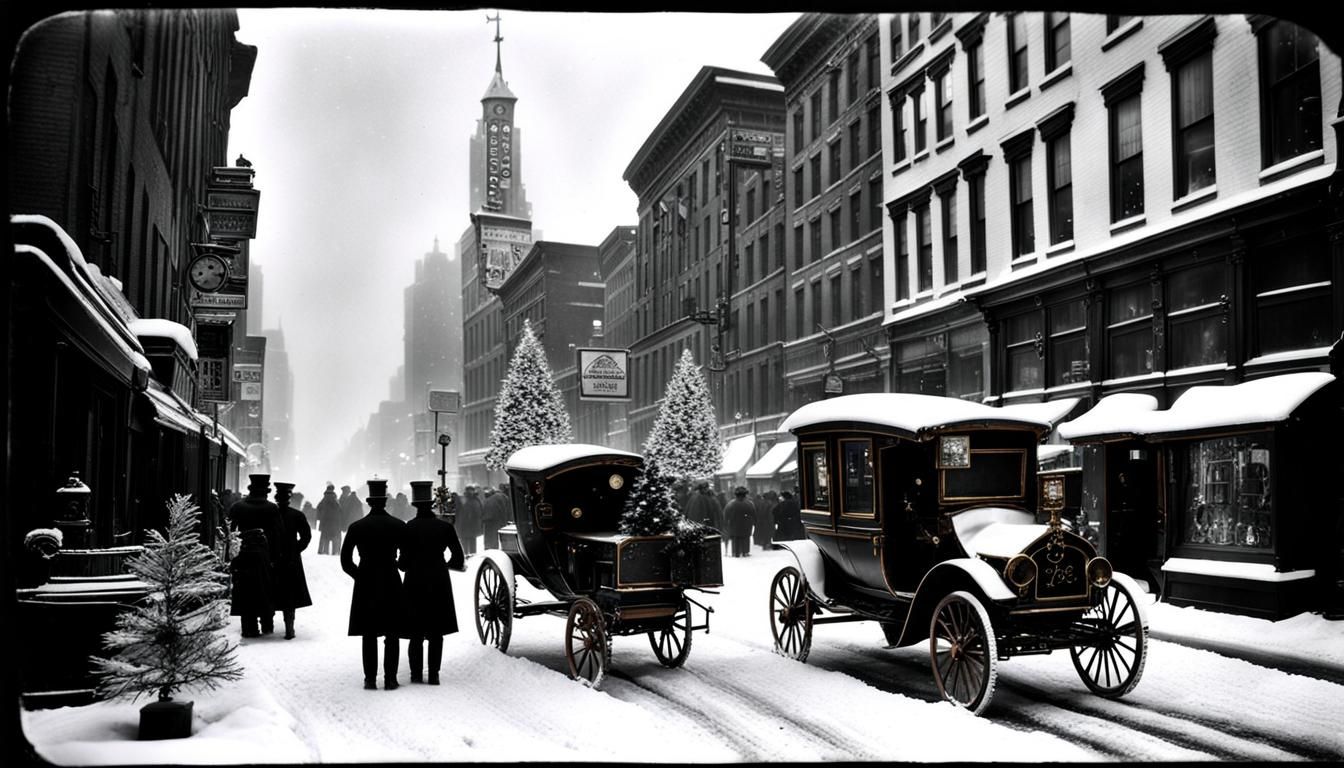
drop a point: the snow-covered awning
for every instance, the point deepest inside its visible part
(158, 327)
(538, 458)
(736, 454)
(1258, 402)
(1048, 452)
(790, 466)
(1050, 411)
(171, 412)
(769, 464)
(907, 412)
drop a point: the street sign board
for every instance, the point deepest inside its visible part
(445, 400)
(747, 146)
(232, 213)
(604, 374)
(248, 376)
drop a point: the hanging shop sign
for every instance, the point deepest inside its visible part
(502, 242)
(248, 377)
(231, 214)
(754, 147)
(229, 293)
(214, 343)
(604, 374)
(444, 401)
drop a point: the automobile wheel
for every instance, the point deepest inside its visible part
(672, 644)
(791, 614)
(586, 644)
(494, 606)
(1112, 665)
(963, 652)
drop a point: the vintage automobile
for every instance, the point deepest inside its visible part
(920, 515)
(565, 540)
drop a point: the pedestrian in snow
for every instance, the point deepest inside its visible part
(257, 512)
(765, 518)
(788, 518)
(430, 613)
(291, 584)
(741, 517)
(721, 522)
(310, 514)
(495, 512)
(251, 594)
(401, 507)
(377, 605)
(700, 505)
(329, 522)
(681, 492)
(351, 507)
(469, 514)
(296, 501)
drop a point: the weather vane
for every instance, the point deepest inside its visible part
(498, 38)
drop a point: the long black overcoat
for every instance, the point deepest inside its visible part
(260, 512)
(700, 509)
(253, 588)
(469, 516)
(429, 592)
(788, 521)
(377, 605)
(291, 583)
(329, 519)
(740, 516)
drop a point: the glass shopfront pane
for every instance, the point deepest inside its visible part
(817, 479)
(966, 362)
(1024, 368)
(1132, 350)
(1129, 303)
(1199, 339)
(1227, 501)
(1069, 359)
(1195, 287)
(857, 459)
(1295, 321)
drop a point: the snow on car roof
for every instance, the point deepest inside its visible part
(909, 412)
(535, 458)
(1050, 411)
(1259, 401)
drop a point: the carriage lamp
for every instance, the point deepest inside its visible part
(1099, 572)
(576, 513)
(537, 486)
(954, 451)
(1020, 571)
(615, 481)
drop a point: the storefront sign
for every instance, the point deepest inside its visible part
(502, 242)
(444, 401)
(834, 385)
(233, 294)
(604, 374)
(249, 378)
(754, 147)
(214, 347)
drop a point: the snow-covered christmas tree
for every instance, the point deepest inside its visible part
(650, 509)
(529, 409)
(685, 436)
(171, 640)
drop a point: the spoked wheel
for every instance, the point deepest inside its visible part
(494, 606)
(1112, 666)
(586, 644)
(672, 644)
(963, 652)
(791, 614)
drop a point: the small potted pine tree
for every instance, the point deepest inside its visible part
(171, 640)
(651, 510)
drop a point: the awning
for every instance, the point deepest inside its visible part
(1048, 452)
(1254, 403)
(171, 412)
(768, 465)
(736, 454)
(1051, 411)
(790, 466)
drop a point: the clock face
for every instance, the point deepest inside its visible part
(499, 109)
(208, 273)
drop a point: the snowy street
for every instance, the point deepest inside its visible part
(735, 700)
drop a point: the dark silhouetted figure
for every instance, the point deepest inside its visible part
(257, 512)
(291, 583)
(430, 613)
(329, 523)
(377, 605)
(788, 518)
(469, 514)
(740, 516)
(494, 514)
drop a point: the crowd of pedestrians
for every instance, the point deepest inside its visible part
(748, 519)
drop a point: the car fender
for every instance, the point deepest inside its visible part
(808, 556)
(963, 573)
(1136, 593)
(501, 560)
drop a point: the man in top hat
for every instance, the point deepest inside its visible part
(377, 605)
(291, 584)
(256, 512)
(430, 613)
(740, 516)
(329, 522)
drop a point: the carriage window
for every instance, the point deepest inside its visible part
(1227, 494)
(992, 474)
(818, 487)
(857, 458)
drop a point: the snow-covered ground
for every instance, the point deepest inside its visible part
(303, 701)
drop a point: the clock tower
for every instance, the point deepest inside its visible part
(496, 160)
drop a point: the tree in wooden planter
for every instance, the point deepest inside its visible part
(651, 510)
(171, 640)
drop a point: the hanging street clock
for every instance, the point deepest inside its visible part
(207, 273)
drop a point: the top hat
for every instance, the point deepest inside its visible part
(377, 489)
(283, 490)
(261, 483)
(422, 490)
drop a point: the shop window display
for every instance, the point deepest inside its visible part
(1228, 500)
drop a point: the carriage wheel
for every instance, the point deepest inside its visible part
(494, 606)
(791, 614)
(963, 652)
(1111, 667)
(672, 644)
(586, 643)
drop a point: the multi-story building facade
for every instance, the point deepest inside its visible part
(432, 338)
(616, 264)
(496, 188)
(708, 271)
(1082, 205)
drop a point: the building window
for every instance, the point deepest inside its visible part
(833, 97)
(779, 249)
(799, 322)
(1290, 92)
(902, 257)
(975, 80)
(798, 254)
(1226, 498)
(874, 62)
(913, 28)
(1017, 52)
(1024, 232)
(815, 115)
(1196, 319)
(837, 305)
(798, 130)
(949, 223)
(898, 128)
(975, 192)
(1115, 21)
(749, 257)
(897, 38)
(704, 176)
(798, 188)
(1068, 348)
(1023, 343)
(874, 132)
(855, 215)
(1293, 296)
(920, 120)
(816, 174)
(875, 204)
(837, 239)
(751, 204)
(934, 20)
(1129, 330)
(1193, 85)
(921, 365)
(856, 303)
(1126, 159)
(764, 252)
(780, 315)
(966, 362)
(1059, 177)
(1058, 46)
(875, 284)
(855, 152)
(751, 331)
(834, 158)
(815, 238)
(942, 89)
(816, 305)
(924, 248)
(852, 76)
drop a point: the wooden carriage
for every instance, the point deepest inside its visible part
(565, 540)
(920, 514)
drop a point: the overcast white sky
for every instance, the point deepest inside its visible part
(357, 123)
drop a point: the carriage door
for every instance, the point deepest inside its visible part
(858, 526)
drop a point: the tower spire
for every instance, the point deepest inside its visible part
(498, 39)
